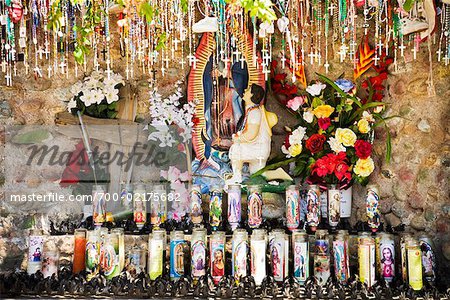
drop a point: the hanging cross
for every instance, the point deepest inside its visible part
(15, 70)
(27, 67)
(319, 58)
(266, 72)
(242, 60)
(47, 48)
(12, 53)
(37, 71)
(343, 52)
(176, 42)
(4, 66)
(331, 9)
(8, 78)
(283, 62)
(96, 64)
(192, 60)
(166, 60)
(311, 56)
(327, 66)
(402, 48)
(172, 51)
(439, 53)
(380, 47)
(62, 65)
(104, 53)
(163, 70)
(49, 71)
(182, 63)
(41, 51)
(376, 59)
(446, 59)
(236, 53)
(414, 50)
(226, 60)
(108, 69)
(127, 72)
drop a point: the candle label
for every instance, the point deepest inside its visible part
(387, 262)
(155, 258)
(99, 203)
(428, 260)
(334, 207)
(176, 259)
(215, 208)
(366, 257)
(403, 258)
(217, 260)
(301, 261)
(234, 208)
(254, 209)
(323, 205)
(92, 257)
(415, 268)
(196, 206)
(321, 247)
(346, 202)
(36, 248)
(135, 262)
(50, 263)
(321, 268)
(277, 259)
(340, 261)
(313, 213)
(109, 260)
(373, 215)
(240, 260)
(139, 211)
(79, 255)
(292, 209)
(258, 260)
(198, 255)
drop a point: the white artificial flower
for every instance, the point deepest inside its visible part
(316, 89)
(91, 84)
(76, 88)
(368, 116)
(111, 95)
(308, 116)
(336, 146)
(72, 104)
(297, 135)
(98, 96)
(97, 75)
(87, 98)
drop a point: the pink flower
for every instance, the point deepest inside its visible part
(296, 102)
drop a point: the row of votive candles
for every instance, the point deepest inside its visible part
(329, 205)
(269, 254)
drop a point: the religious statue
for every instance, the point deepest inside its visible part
(251, 143)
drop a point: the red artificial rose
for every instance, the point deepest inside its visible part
(363, 149)
(341, 170)
(315, 143)
(320, 167)
(324, 123)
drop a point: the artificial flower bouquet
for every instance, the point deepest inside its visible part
(96, 95)
(332, 142)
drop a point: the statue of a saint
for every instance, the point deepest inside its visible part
(251, 143)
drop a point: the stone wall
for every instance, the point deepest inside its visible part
(414, 186)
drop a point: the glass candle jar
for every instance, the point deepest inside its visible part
(158, 205)
(277, 256)
(109, 256)
(346, 202)
(300, 247)
(50, 263)
(121, 239)
(35, 250)
(334, 205)
(195, 196)
(428, 258)
(79, 250)
(258, 249)
(414, 258)
(217, 255)
(239, 254)
(93, 253)
(177, 243)
(156, 248)
(234, 205)
(313, 207)
(139, 205)
(126, 196)
(99, 204)
(373, 214)
(215, 206)
(322, 256)
(136, 260)
(340, 255)
(366, 258)
(198, 253)
(254, 206)
(292, 207)
(387, 256)
(404, 238)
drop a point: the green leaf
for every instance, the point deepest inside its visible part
(317, 102)
(366, 106)
(388, 144)
(408, 5)
(101, 107)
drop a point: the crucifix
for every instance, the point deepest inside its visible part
(62, 65)
(47, 49)
(27, 67)
(343, 52)
(41, 51)
(8, 78)
(108, 68)
(182, 63)
(439, 53)
(446, 59)
(49, 71)
(127, 72)
(163, 70)
(37, 71)
(266, 71)
(192, 60)
(414, 51)
(379, 46)
(176, 41)
(104, 53)
(402, 48)
(311, 57)
(376, 59)
(266, 57)
(166, 60)
(242, 60)
(283, 62)
(327, 66)
(236, 54)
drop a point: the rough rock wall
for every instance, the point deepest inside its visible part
(414, 187)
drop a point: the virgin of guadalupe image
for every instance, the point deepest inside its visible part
(255, 208)
(276, 262)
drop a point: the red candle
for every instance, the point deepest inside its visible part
(79, 251)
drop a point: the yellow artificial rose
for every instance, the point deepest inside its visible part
(364, 167)
(323, 111)
(295, 150)
(363, 126)
(346, 137)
